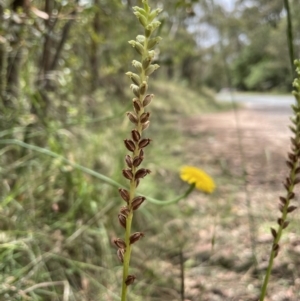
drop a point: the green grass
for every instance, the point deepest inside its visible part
(58, 222)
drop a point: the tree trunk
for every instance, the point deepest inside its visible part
(94, 58)
(14, 58)
(3, 60)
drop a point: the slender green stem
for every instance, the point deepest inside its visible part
(270, 265)
(275, 242)
(181, 273)
(289, 31)
(173, 201)
(132, 191)
(293, 171)
(127, 256)
(267, 277)
(281, 226)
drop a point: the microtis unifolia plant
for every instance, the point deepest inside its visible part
(293, 178)
(139, 117)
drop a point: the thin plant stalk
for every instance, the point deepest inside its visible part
(289, 31)
(182, 277)
(293, 161)
(140, 118)
(291, 181)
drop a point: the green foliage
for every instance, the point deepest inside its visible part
(56, 220)
(263, 64)
(266, 75)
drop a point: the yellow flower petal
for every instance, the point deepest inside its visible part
(196, 176)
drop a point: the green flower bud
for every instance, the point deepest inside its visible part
(143, 88)
(141, 39)
(146, 6)
(154, 14)
(151, 69)
(137, 65)
(141, 18)
(151, 54)
(146, 62)
(153, 42)
(138, 46)
(140, 10)
(134, 77)
(148, 33)
(152, 26)
(135, 89)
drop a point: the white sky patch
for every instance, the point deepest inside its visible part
(227, 4)
(205, 34)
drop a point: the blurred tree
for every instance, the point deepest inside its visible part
(3, 53)
(94, 59)
(263, 61)
(16, 27)
(61, 49)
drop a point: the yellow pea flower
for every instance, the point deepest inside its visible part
(201, 179)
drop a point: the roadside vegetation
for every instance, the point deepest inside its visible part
(64, 98)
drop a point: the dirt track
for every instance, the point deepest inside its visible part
(255, 139)
(226, 144)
